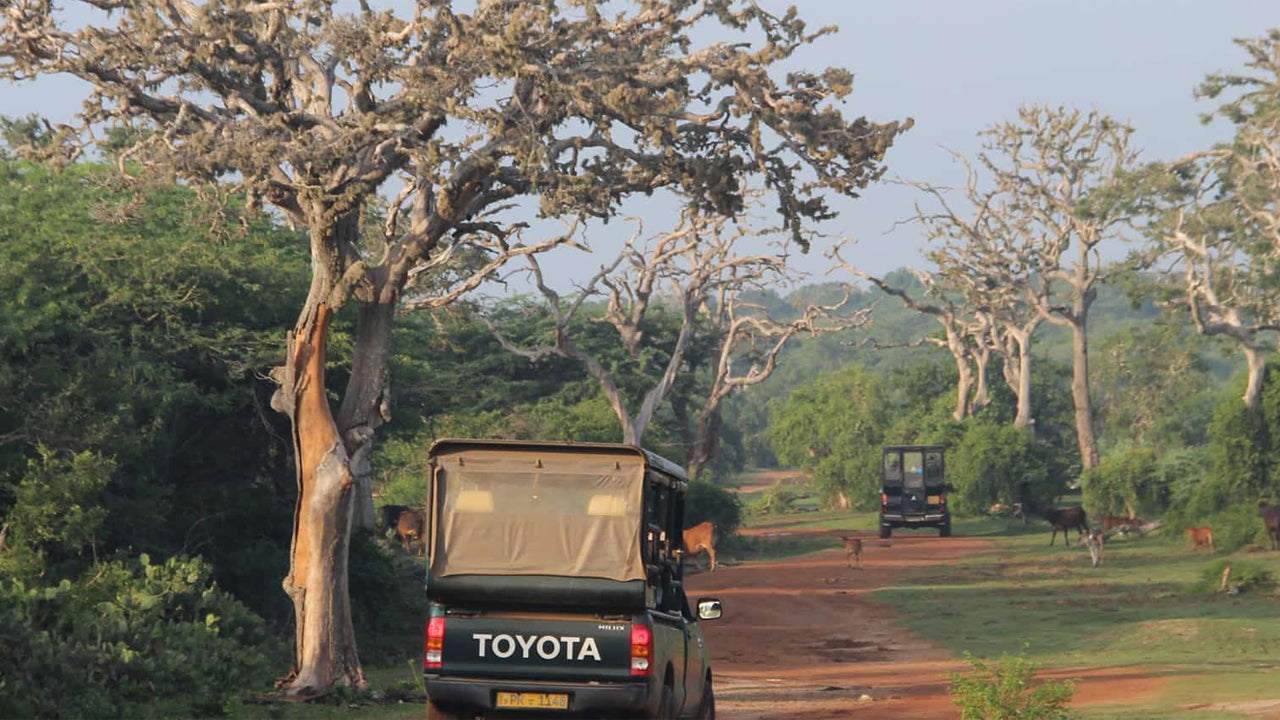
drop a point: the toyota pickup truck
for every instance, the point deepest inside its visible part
(555, 582)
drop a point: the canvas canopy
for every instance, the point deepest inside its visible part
(501, 511)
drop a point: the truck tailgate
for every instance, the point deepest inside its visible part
(503, 646)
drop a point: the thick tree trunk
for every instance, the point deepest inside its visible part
(981, 394)
(366, 403)
(1023, 419)
(325, 645)
(1080, 393)
(963, 385)
(1257, 366)
(705, 443)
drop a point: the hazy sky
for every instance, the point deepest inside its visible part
(956, 67)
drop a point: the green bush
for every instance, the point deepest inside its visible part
(1244, 576)
(1129, 479)
(388, 600)
(1004, 690)
(1233, 527)
(993, 461)
(133, 640)
(709, 501)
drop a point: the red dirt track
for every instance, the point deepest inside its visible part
(797, 641)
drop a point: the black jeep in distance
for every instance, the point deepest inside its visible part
(555, 582)
(913, 489)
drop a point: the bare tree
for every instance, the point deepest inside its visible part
(748, 345)
(701, 269)
(1215, 217)
(980, 256)
(313, 110)
(1058, 166)
(957, 339)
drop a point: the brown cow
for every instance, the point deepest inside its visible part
(1271, 517)
(701, 537)
(1064, 519)
(1201, 536)
(852, 550)
(408, 523)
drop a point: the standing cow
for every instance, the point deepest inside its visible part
(408, 523)
(1064, 519)
(701, 537)
(1271, 517)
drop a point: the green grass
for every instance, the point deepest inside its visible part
(1141, 607)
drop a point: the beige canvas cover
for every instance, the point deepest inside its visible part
(533, 512)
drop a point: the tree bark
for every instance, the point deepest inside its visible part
(964, 383)
(324, 647)
(1257, 366)
(705, 442)
(981, 394)
(1085, 437)
(1023, 420)
(366, 402)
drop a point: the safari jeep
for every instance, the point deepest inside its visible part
(555, 585)
(913, 489)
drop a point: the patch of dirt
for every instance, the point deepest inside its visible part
(798, 641)
(1268, 709)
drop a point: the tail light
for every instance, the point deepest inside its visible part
(641, 649)
(884, 498)
(433, 649)
(942, 499)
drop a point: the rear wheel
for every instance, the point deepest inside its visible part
(944, 530)
(885, 531)
(667, 707)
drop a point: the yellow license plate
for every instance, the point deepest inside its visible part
(934, 499)
(545, 701)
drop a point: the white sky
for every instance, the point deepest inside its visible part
(956, 67)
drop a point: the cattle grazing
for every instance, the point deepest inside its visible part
(407, 523)
(701, 537)
(1118, 523)
(1201, 536)
(1271, 517)
(1096, 540)
(853, 550)
(1064, 519)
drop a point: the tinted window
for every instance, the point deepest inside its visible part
(892, 468)
(913, 467)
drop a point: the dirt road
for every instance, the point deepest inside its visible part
(797, 641)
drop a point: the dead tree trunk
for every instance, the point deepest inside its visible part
(1023, 419)
(325, 646)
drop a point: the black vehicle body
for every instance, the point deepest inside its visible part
(521, 640)
(913, 489)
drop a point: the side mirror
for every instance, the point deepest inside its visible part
(709, 609)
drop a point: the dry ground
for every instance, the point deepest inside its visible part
(798, 641)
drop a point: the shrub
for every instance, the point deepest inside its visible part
(1244, 576)
(135, 640)
(994, 460)
(387, 600)
(1004, 690)
(708, 501)
(1233, 527)
(1130, 479)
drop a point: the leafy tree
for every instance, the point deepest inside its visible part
(312, 110)
(834, 428)
(1002, 463)
(1146, 381)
